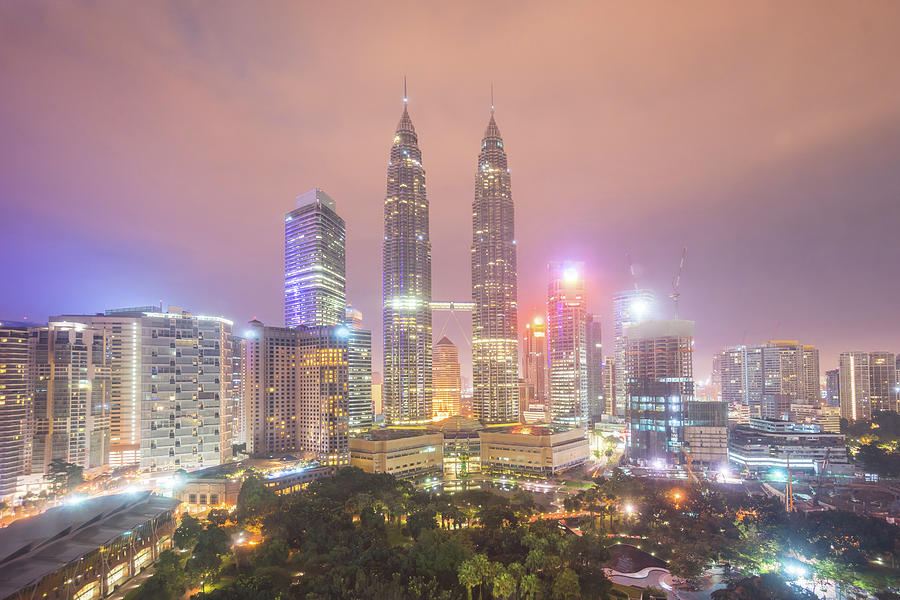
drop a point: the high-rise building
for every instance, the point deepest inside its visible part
(495, 347)
(567, 343)
(70, 377)
(833, 387)
(771, 378)
(867, 384)
(406, 309)
(359, 373)
(314, 262)
(446, 380)
(535, 360)
(124, 329)
(296, 385)
(629, 307)
(609, 385)
(16, 404)
(594, 379)
(239, 413)
(186, 390)
(884, 381)
(660, 384)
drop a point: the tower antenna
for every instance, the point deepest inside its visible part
(677, 282)
(405, 98)
(492, 97)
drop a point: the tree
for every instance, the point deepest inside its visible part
(254, 500)
(64, 476)
(529, 587)
(566, 586)
(504, 583)
(212, 543)
(468, 576)
(219, 516)
(188, 532)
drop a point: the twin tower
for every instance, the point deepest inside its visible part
(407, 388)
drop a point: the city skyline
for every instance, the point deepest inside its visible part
(809, 159)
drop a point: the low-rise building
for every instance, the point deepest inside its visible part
(533, 449)
(85, 551)
(771, 444)
(399, 452)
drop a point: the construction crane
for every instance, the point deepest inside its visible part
(789, 488)
(822, 471)
(676, 283)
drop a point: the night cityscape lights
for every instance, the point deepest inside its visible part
(577, 416)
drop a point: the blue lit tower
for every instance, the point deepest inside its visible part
(407, 282)
(314, 263)
(495, 344)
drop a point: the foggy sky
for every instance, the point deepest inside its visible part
(150, 150)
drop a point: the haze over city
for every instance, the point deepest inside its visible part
(763, 137)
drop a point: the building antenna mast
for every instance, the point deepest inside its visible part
(676, 283)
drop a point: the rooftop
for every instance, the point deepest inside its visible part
(31, 549)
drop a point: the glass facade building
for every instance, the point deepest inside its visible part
(406, 284)
(16, 407)
(495, 345)
(567, 343)
(314, 262)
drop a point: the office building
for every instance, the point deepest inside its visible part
(16, 406)
(238, 392)
(535, 360)
(296, 385)
(446, 380)
(567, 343)
(70, 379)
(594, 378)
(398, 452)
(765, 444)
(868, 383)
(706, 432)
(186, 390)
(772, 377)
(833, 387)
(314, 262)
(536, 450)
(610, 385)
(629, 307)
(359, 373)
(407, 387)
(495, 346)
(660, 384)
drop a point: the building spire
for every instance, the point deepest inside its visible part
(492, 97)
(405, 98)
(405, 123)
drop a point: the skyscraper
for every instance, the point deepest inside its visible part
(535, 361)
(594, 377)
(71, 383)
(314, 262)
(567, 343)
(15, 406)
(660, 384)
(868, 383)
(359, 373)
(446, 378)
(406, 283)
(629, 307)
(833, 387)
(296, 391)
(495, 347)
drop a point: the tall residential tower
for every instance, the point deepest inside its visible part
(406, 283)
(495, 347)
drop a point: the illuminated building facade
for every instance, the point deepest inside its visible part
(446, 379)
(660, 384)
(594, 379)
(186, 390)
(314, 262)
(123, 328)
(296, 386)
(359, 373)
(71, 385)
(567, 343)
(868, 383)
(495, 346)
(406, 286)
(629, 307)
(238, 412)
(535, 361)
(765, 444)
(771, 378)
(833, 387)
(15, 406)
